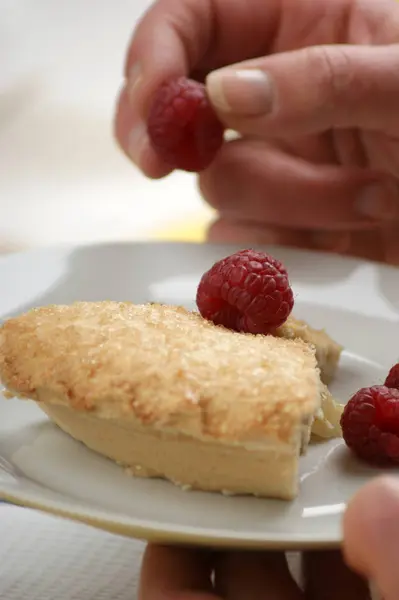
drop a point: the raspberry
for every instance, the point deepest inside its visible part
(392, 381)
(248, 291)
(183, 127)
(370, 424)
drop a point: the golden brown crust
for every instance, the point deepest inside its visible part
(162, 366)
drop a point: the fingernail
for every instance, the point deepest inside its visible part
(136, 142)
(133, 81)
(377, 202)
(247, 92)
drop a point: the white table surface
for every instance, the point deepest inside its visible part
(44, 558)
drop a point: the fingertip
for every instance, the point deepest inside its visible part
(367, 502)
(123, 118)
(150, 163)
(131, 135)
(371, 531)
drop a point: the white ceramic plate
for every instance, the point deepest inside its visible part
(358, 303)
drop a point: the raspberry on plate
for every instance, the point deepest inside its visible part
(248, 291)
(183, 127)
(392, 381)
(370, 424)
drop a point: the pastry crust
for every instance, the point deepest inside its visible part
(328, 352)
(162, 366)
(167, 393)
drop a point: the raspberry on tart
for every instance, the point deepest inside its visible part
(392, 380)
(248, 291)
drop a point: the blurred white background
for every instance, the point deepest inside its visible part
(62, 177)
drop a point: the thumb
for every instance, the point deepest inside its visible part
(371, 534)
(310, 90)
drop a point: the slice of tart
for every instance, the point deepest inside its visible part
(168, 394)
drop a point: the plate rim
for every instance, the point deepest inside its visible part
(124, 525)
(167, 535)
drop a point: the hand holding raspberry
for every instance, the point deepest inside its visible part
(312, 132)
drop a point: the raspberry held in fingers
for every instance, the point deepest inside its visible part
(392, 381)
(248, 291)
(370, 424)
(183, 127)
